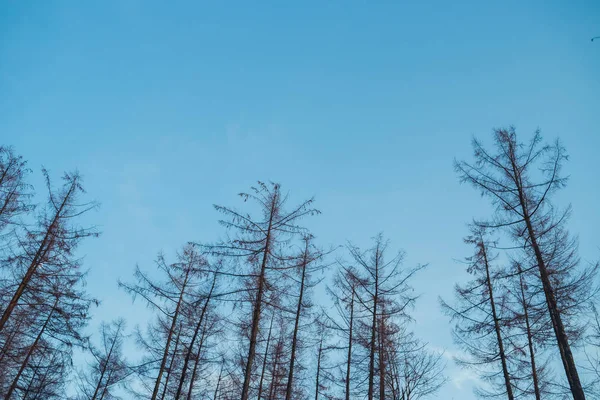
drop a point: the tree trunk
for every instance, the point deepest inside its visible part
(381, 359)
(30, 351)
(193, 377)
(374, 328)
(318, 369)
(170, 368)
(103, 369)
(9, 340)
(193, 340)
(37, 258)
(219, 380)
(274, 374)
(349, 359)
(264, 367)
(509, 391)
(163, 362)
(288, 391)
(105, 389)
(257, 306)
(562, 338)
(534, 376)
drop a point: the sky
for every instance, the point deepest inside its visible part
(169, 107)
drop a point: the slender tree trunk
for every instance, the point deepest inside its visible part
(394, 378)
(9, 340)
(30, 351)
(257, 306)
(219, 380)
(37, 258)
(163, 362)
(193, 340)
(374, 328)
(507, 383)
(103, 368)
(381, 360)
(36, 368)
(562, 338)
(105, 389)
(170, 367)
(264, 367)
(536, 386)
(194, 371)
(274, 373)
(350, 338)
(318, 369)
(289, 388)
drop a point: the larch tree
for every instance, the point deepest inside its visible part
(51, 242)
(168, 298)
(108, 367)
(385, 294)
(307, 264)
(343, 292)
(415, 372)
(520, 179)
(196, 335)
(477, 317)
(257, 244)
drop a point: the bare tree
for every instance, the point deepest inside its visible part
(343, 294)
(521, 195)
(168, 298)
(190, 348)
(61, 313)
(258, 242)
(307, 265)
(52, 243)
(414, 372)
(108, 367)
(384, 292)
(478, 327)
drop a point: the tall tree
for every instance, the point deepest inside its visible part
(168, 298)
(385, 291)
(190, 347)
(520, 179)
(53, 240)
(307, 265)
(258, 242)
(108, 367)
(477, 316)
(344, 295)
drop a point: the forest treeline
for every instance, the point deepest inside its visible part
(235, 319)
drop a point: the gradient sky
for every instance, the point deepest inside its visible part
(169, 107)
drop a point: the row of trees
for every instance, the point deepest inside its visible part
(235, 318)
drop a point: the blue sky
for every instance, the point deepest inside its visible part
(169, 108)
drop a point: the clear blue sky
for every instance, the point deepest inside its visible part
(167, 108)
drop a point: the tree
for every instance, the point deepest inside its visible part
(477, 317)
(168, 298)
(61, 315)
(190, 348)
(307, 265)
(258, 242)
(52, 243)
(108, 367)
(343, 294)
(384, 292)
(521, 196)
(415, 372)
